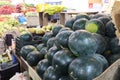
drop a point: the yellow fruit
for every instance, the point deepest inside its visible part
(32, 30)
(40, 31)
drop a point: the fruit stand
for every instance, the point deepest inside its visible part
(78, 46)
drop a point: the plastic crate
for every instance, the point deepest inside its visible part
(8, 70)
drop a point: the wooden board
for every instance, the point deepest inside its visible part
(111, 73)
(116, 17)
(32, 73)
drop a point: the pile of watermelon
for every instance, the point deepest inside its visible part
(81, 50)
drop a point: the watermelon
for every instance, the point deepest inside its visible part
(62, 38)
(41, 67)
(85, 68)
(79, 16)
(114, 45)
(50, 43)
(110, 29)
(69, 23)
(56, 29)
(46, 37)
(79, 24)
(95, 26)
(101, 43)
(81, 42)
(25, 50)
(61, 61)
(33, 58)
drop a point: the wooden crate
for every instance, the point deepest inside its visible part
(31, 71)
(33, 21)
(111, 73)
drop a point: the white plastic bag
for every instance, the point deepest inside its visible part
(19, 76)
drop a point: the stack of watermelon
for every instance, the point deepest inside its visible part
(81, 50)
(26, 39)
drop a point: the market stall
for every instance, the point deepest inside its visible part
(51, 41)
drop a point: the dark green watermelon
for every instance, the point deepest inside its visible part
(50, 74)
(33, 58)
(79, 24)
(51, 42)
(95, 26)
(43, 52)
(101, 43)
(114, 45)
(62, 38)
(51, 52)
(40, 46)
(65, 78)
(102, 59)
(85, 68)
(79, 16)
(69, 23)
(61, 61)
(96, 16)
(26, 37)
(56, 29)
(25, 50)
(64, 29)
(41, 67)
(46, 37)
(81, 42)
(105, 20)
(110, 29)
(112, 58)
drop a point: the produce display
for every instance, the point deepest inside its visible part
(6, 9)
(81, 49)
(8, 24)
(50, 9)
